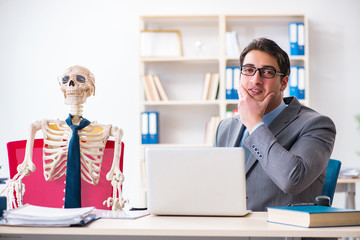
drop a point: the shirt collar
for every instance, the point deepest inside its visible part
(269, 117)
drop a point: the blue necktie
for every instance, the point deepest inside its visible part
(73, 168)
(243, 138)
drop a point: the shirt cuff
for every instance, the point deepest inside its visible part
(256, 126)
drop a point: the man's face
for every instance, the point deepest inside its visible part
(259, 87)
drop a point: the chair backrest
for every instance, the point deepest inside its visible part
(51, 193)
(332, 173)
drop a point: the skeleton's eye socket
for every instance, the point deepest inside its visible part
(65, 79)
(80, 79)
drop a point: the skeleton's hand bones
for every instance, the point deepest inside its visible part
(25, 168)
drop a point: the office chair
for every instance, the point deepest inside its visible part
(332, 173)
(50, 194)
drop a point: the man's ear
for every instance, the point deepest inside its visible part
(284, 83)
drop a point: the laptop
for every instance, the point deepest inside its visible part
(203, 181)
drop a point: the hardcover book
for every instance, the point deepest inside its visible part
(314, 216)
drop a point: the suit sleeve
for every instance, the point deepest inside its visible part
(297, 156)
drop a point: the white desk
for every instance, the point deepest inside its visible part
(253, 225)
(348, 185)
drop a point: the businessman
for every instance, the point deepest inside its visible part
(287, 145)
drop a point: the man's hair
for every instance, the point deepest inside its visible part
(270, 47)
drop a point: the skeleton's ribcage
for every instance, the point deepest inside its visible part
(92, 144)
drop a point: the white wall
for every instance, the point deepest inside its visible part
(40, 38)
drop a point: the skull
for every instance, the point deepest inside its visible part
(77, 84)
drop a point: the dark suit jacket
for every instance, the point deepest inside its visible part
(288, 159)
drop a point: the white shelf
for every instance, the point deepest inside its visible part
(182, 76)
(183, 118)
(181, 103)
(179, 59)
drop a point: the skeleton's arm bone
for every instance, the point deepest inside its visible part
(117, 133)
(115, 175)
(27, 165)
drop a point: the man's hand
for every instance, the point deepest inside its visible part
(250, 109)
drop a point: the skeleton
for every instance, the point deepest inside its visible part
(77, 84)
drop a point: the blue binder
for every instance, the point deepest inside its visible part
(301, 38)
(229, 75)
(236, 82)
(144, 128)
(297, 38)
(301, 83)
(293, 81)
(153, 128)
(232, 75)
(293, 38)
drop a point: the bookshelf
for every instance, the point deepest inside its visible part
(183, 118)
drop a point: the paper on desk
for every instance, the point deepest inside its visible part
(30, 215)
(125, 214)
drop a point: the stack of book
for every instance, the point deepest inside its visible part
(154, 89)
(30, 215)
(210, 86)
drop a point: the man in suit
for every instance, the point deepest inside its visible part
(288, 145)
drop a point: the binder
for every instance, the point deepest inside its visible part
(297, 38)
(293, 38)
(144, 128)
(301, 38)
(236, 82)
(153, 128)
(301, 83)
(294, 91)
(228, 82)
(232, 82)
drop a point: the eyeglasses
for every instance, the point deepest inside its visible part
(265, 72)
